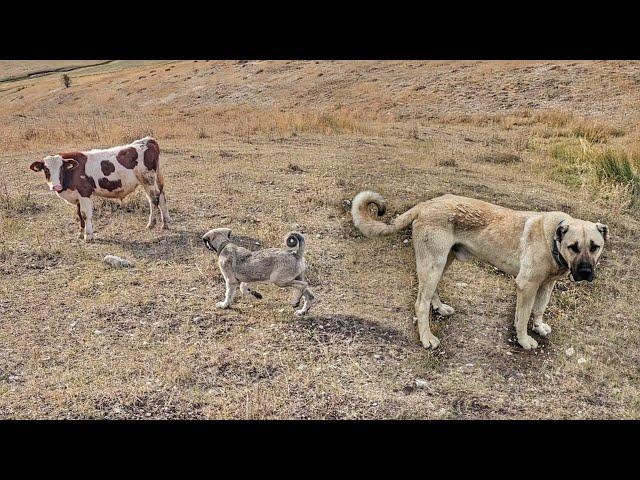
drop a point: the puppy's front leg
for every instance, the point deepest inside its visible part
(526, 291)
(228, 298)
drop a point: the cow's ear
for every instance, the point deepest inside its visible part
(70, 164)
(604, 231)
(37, 165)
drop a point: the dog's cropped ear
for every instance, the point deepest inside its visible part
(37, 165)
(604, 231)
(560, 232)
(70, 164)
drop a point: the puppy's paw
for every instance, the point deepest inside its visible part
(222, 305)
(300, 313)
(430, 341)
(445, 310)
(527, 342)
(542, 329)
(88, 238)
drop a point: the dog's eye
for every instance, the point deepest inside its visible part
(594, 247)
(574, 248)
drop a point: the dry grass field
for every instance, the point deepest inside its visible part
(263, 147)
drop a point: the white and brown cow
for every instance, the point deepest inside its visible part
(111, 173)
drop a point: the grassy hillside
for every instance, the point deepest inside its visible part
(264, 147)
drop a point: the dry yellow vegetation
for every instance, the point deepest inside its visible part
(265, 146)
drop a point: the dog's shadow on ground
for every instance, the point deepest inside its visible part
(172, 244)
(349, 328)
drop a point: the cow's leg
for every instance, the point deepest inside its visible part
(86, 213)
(164, 212)
(81, 220)
(162, 200)
(152, 197)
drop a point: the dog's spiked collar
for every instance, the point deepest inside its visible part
(555, 252)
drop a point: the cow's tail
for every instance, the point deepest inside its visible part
(364, 222)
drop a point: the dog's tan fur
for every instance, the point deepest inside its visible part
(519, 243)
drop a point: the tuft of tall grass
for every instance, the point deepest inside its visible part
(606, 170)
(617, 167)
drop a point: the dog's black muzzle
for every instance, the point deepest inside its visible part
(207, 244)
(584, 271)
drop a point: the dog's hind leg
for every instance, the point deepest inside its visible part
(431, 259)
(309, 299)
(298, 293)
(442, 308)
(303, 291)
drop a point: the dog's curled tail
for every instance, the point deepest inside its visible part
(373, 228)
(295, 241)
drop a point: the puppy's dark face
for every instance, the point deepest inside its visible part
(214, 238)
(581, 244)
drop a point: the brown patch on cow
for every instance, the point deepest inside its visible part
(128, 158)
(77, 179)
(110, 185)
(107, 167)
(151, 155)
(466, 217)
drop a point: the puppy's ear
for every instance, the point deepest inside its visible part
(604, 231)
(37, 165)
(226, 232)
(560, 232)
(70, 164)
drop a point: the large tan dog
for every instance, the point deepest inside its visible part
(537, 248)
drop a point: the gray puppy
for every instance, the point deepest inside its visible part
(239, 266)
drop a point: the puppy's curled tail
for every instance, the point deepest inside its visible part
(373, 228)
(295, 241)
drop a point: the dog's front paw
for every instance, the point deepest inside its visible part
(527, 342)
(445, 310)
(542, 329)
(222, 305)
(429, 341)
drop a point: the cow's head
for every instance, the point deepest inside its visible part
(581, 243)
(54, 167)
